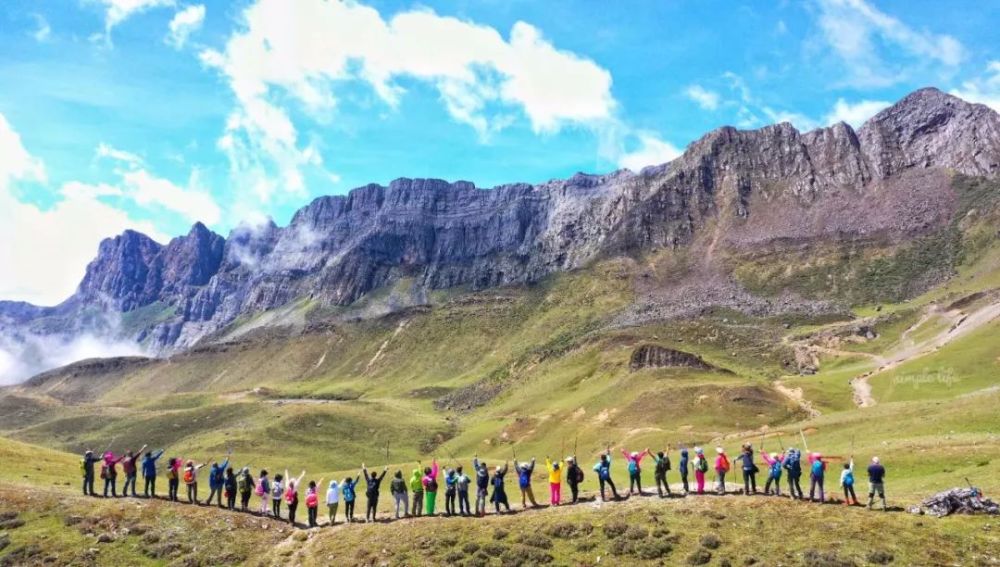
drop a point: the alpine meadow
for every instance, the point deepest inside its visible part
(775, 343)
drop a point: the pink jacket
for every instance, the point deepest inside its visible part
(722, 463)
(429, 478)
(638, 459)
(770, 460)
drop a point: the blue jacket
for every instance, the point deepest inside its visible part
(603, 469)
(524, 471)
(793, 465)
(683, 465)
(149, 464)
(217, 475)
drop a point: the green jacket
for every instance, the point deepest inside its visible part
(415, 484)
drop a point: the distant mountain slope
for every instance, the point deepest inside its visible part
(732, 193)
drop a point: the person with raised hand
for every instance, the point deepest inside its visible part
(131, 469)
(499, 496)
(149, 473)
(603, 470)
(462, 483)
(292, 495)
(482, 485)
(217, 481)
(524, 471)
(634, 460)
(417, 488)
(574, 476)
(373, 485)
(397, 487)
(662, 462)
(430, 484)
(555, 481)
(191, 480)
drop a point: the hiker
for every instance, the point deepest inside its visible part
(749, 469)
(634, 461)
(524, 471)
(876, 483)
(682, 468)
(499, 491)
(191, 481)
(87, 468)
(130, 469)
(847, 483)
(574, 476)
(229, 488)
(109, 472)
(292, 496)
(603, 469)
(463, 483)
(774, 463)
(277, 493)
(482, 485)
(349, 492)
(245, 486)
(332, 501)
(555, 481)
(417, 488)
(263, 490)
(662, 461)
(817, 471)
(430, 487)
(312, 502)
(149, 473)
(217, 481)
(450, 492)
(700, 468)
(373, 483)
(722, 466)
(398, 489)
(173, 477)
(793, 464)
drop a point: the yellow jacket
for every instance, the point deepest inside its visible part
(555, 474)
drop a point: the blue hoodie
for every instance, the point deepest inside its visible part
(683, 465)
(217, 476)
(149, 464)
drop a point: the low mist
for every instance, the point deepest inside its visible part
(23, 356)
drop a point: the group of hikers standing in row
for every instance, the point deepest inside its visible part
(239, 486)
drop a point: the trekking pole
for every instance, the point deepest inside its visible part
(110, 443)
(575, 442)
(780, 444)
(804, 444)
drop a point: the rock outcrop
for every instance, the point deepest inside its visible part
(656, 356)
(769, 188)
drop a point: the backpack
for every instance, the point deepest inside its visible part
(83, 467)
(578, 474)
(633, 467)
(347, 491)
(724, 465)
(104, 471)
(188, 476)
(432, 485)
(312, 500)
(663, 465)
(262, 487)
(218, 476)
(776, 468)
(817, 468)
(276, 490)
(291, 496)
(241, 483)
(702, 465)
(849, 478)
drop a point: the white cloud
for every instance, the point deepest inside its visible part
(854, 114)
(709, 100)
(651, 151)
(984, 89)
(42, 31)
(305, 49)
(117, 11)
(749, 109)
(184, 23)
(858, 33)
(48, 249)
(128, 158)
(25, 355)
(193, 204)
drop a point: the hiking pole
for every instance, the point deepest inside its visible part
(804, 444)
(575, 442)
(110, 443)
(780, 444)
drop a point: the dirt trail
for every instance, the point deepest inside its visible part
(961, 324)
(795, 394)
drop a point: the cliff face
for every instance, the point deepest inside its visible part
(769, 187)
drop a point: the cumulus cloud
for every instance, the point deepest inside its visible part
(708, 100)
(984, 89)
(859, 34)
(651, 151)
(48, 249)
(306, 49)
(185, 23)
(854, 114)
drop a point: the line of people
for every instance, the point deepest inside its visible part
(238, 487)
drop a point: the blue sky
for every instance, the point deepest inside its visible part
(152, 114)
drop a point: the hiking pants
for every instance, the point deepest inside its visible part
(88, 485)
(849, 494)
(149, 486)
(245, 500)
(449, 502)
(129, 483)
(777, 485)
(635, 482)
(463, 502)
(349, 510)
(880, 488)
(331, 512)
(574, 489)
(372, 508)
(276, 507)
(292, 507)
(418, 503)
(312, 516)
(749, 482)
(173, 486)
(481, 497)
(401, 501)
(110, 483)
(193, 493)
(816, 482)
(699, 478)
(263, 504)
(684, 480)
(555, 493)
(527, 495)
(661, 484)
(720, 485)
(231, 501)
(214, 493)
(794, 487)
(430, 500)
(498, 501)
(610, 483)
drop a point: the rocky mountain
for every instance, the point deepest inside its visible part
(731, 193)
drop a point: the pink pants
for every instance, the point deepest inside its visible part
(700, 478)
(555, 490)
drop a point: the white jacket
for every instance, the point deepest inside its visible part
(333, 494)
